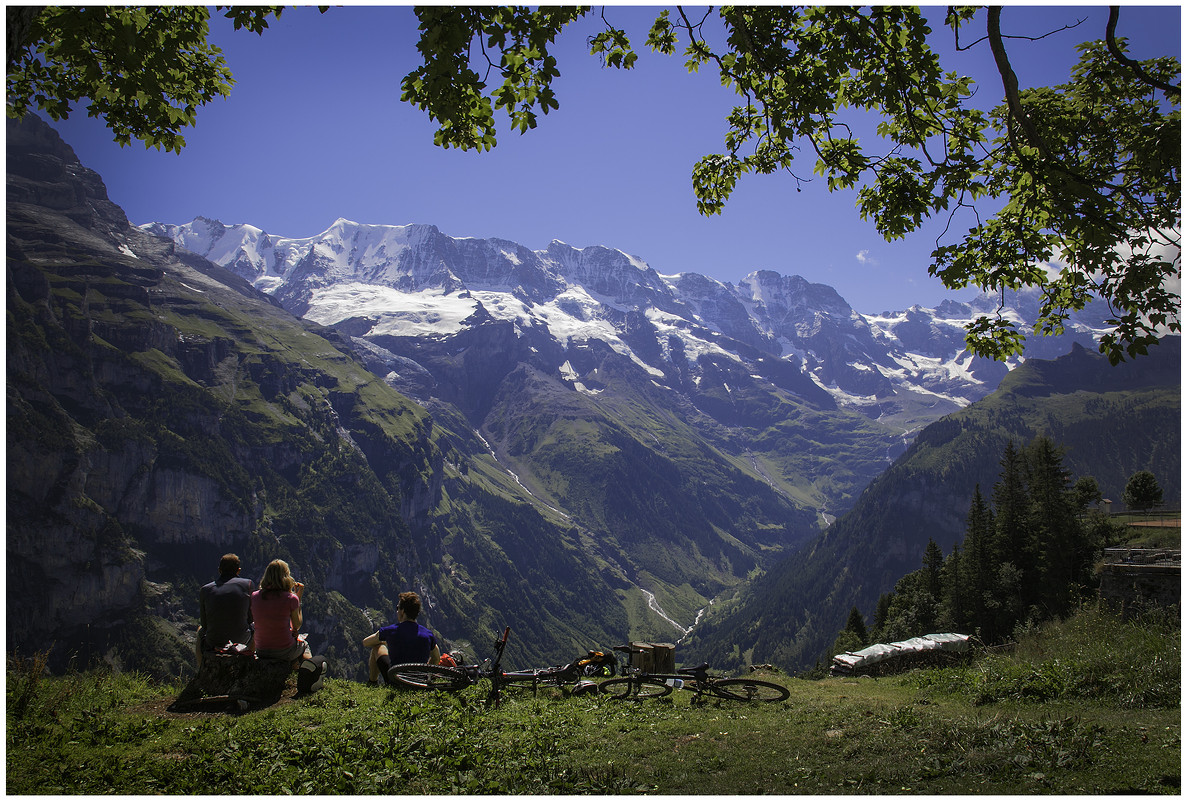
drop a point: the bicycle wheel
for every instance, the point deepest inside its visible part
(632, 688)
(748, 690)
(428, 677)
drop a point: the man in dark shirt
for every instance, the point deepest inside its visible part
(224, 609)
(405, 641)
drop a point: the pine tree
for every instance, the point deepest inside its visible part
(857, 625)
(977, 564)
(953, 614)
(881, 614)
(1060, 545)
(1013, 543)
(933, 563)
(1010, 503)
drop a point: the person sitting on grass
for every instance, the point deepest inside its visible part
(401, 643)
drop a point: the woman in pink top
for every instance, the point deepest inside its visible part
(276, 610)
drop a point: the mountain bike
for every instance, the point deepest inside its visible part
(637, 684)
(595, 664)
(418, 676)
(441, 677)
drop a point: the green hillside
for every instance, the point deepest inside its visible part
(1090, 706)
(1111, 421)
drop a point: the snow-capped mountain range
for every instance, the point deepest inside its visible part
(415, 281)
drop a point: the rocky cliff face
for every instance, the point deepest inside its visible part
(161, 411)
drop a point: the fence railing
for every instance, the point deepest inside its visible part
(1142, 556)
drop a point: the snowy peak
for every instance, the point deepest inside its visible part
(346, 251)
(792, 291)
(414, 280)
(605, 271)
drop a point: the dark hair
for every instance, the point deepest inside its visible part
(228, 566)
(409, 604)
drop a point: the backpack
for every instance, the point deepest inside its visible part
(597, 663)
(447, 660)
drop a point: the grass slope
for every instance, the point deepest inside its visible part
(997, 725)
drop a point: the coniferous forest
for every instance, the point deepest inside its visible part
(1027, 556)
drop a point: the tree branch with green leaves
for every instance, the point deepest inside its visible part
(1085, 174)
(144, 69)
(1082, 177)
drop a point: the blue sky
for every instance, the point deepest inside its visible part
(314, 130)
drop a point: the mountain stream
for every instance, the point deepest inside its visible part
(654, 606)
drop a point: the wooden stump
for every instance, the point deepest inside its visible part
(654, 657)
(236, 678)
(663, 657)
(642, 656)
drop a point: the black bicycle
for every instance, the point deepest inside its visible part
(638, 684)
(418, 676)
(451, 679)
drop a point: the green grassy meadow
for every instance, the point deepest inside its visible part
(1088, 706)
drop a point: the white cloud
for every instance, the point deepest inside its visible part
(863, 256)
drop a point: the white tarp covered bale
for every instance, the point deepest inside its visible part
(852, 661)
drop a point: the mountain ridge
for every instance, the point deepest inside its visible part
(858, 358)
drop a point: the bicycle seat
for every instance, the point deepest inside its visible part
(693, 671)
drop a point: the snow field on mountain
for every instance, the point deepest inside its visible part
(397, 313)
(694, 347)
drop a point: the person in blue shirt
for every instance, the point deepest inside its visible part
(401, 643)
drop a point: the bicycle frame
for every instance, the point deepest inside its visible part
(496, 669)
(543, 677)
(593, 663)
(698, 677)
